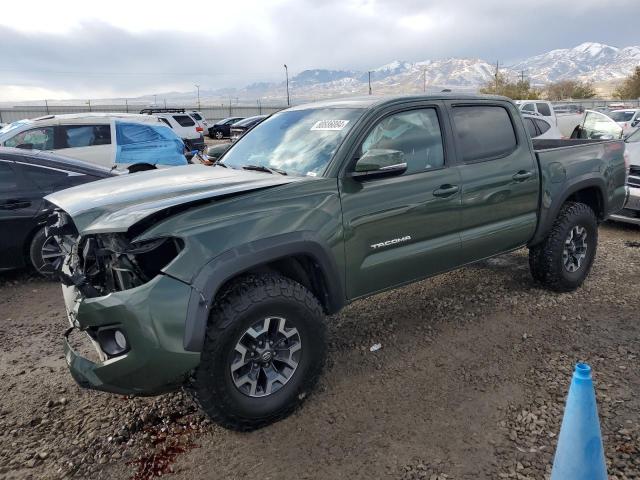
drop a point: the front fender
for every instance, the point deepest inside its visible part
(206, 284)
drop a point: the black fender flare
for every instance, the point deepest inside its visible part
(549, 214)
(216, 272)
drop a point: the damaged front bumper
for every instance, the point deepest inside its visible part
(151, 318)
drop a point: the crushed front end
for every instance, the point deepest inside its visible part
(115, 291)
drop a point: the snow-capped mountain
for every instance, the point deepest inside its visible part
(590, 61)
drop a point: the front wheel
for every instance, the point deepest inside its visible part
(263, 353)
(563, 260)
(44, 253)
(219, 135)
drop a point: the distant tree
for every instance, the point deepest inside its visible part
(520, 89)
(630, 88)
(565, 89)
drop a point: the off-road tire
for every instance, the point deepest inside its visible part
(246, 301)
(545, 259)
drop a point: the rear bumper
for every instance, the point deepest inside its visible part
(152, 318)
(631, 211)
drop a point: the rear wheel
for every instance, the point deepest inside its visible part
(219, 135)
(263, 353)
(44, 253)
(563, 260)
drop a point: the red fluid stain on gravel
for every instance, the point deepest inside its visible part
(161, 460)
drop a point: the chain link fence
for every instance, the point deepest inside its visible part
(211, 113)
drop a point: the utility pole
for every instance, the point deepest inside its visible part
(89, 103)
(259, 107)
(286, 72)
(369, 82)
(165, 103)
(424, 78)
(497, 74)
(155, 99)
(46, 104)
(126, 105)
(198, 87)
(229, 105)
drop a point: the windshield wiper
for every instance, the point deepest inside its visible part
(262, 168)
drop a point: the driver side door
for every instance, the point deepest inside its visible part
(402, 227)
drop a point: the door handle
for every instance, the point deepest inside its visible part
(522, 175)
(446, 190)
(14, 205)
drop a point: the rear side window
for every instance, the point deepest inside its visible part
(483, 132)
(184, 120)
(8, 180)
(76, 136)
(44, 178)
(196, 116)
(542, 125)
(165, 121)
(531, 128)
(543, 109)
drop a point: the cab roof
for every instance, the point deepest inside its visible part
(371, 101)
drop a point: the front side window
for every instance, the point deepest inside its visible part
(44, 178)
(77, 136)
(300, 142)
(543, 109)
(196, 116)
(413, 136)
(165, 121)
(599, 126)
(529, 108)
(36, 139)
(184, 120)
(483, 132)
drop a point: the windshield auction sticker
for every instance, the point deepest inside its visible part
(330, 125)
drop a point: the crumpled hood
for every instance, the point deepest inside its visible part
(115, 204)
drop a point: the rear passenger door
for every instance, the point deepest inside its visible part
(405, 227)
(499, 179)
(91, 143)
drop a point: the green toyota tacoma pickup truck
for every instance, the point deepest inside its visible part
(218, 278)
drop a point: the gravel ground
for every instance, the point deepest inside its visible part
(469, 384)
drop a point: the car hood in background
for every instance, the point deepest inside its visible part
(115, 204)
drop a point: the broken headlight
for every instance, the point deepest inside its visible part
(110, 262)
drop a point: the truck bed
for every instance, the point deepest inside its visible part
(567, 165)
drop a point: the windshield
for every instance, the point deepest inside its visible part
(621, 116)
(12, 126)
(300, 142)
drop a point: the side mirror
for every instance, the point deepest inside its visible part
(379, 162)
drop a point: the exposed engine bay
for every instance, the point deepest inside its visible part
(99, 264)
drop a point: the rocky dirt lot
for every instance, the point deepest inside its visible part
(469, 384)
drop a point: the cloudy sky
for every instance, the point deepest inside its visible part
(82, 49)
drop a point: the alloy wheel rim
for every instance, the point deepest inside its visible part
(575, 248)
(266, 357)
(50, 253)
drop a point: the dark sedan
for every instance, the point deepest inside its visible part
(25, 178)
(243, 126)
(222, 129)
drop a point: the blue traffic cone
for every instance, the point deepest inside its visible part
(579, 454)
